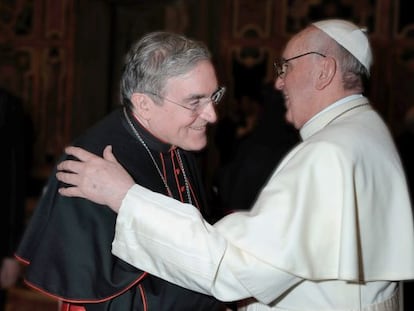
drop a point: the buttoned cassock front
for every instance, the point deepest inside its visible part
(331, 230)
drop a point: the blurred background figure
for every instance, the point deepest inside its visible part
(256, 154)
(405, 145)
(12, 192)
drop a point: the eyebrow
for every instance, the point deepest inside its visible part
(196, 96)
(200, 96)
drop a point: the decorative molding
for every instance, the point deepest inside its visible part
(56, 19)
(403, 20)
(252, 19)
(302, 12)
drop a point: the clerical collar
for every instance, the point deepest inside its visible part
(153, 142)
(335, 104)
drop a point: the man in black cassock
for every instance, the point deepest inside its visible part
(167, 87)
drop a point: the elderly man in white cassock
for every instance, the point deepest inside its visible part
(331, 230)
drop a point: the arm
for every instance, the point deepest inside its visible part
(171, 240)
(168, 238)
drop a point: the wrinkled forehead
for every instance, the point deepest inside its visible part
(299, 43)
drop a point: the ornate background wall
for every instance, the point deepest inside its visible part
(62, 57)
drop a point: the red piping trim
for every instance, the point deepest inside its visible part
(85, 300)
(24, 261)
(143, 297)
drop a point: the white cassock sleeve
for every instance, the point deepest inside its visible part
(186, 250)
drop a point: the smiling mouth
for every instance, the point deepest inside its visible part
(198, 128)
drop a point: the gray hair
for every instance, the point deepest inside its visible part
(154, 59)
(354, 74)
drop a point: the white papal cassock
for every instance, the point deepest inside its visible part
(331, 230)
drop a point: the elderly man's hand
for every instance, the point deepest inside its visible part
(101, 180)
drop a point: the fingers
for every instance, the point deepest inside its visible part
(70, 166)
(80, 153)
(68, 178)
(71, 179)
(70, 192)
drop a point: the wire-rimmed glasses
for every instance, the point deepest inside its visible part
(281, 65)
(197, 104)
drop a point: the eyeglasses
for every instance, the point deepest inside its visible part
(281, 65)
(199, 103)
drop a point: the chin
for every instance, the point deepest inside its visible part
(288, 119)
(198, 146)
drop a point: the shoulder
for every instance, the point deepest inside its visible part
(108, 130)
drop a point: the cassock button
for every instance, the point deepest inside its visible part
(177, 171)
(182, 189)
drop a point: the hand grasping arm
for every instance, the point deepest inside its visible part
(101, 180)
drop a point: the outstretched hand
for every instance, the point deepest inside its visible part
(101, 180)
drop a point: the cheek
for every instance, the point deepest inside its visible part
(165, 126)
(179, 129)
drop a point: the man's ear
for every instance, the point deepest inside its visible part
(142, 105)
(327, 72)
